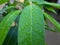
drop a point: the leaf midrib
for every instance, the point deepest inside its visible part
(31, 21)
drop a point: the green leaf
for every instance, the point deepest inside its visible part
(54, 22)
(3, 1)
(50, 28)
(11, 38)
(31, 26)
(52, 4)
(6, 24)
(7, 8)
(38, 1)
(50, 9)
(1, 17)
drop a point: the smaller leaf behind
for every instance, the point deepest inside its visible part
(7, 8)
(3, 1)
(38, 1)
(50, 28)
(50, 9)
(6, 24)
(52, 4)
(54, 22)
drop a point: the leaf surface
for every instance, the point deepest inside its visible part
(6, 24)
(31, 26)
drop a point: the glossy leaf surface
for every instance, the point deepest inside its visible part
(31, 26)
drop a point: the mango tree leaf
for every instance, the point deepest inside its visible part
(52, 4)
(31, 26)
(54, 22)
(3, 1)
(6, 24)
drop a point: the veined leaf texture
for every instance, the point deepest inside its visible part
(31, 26)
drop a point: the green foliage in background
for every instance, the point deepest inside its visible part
(32, 21)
